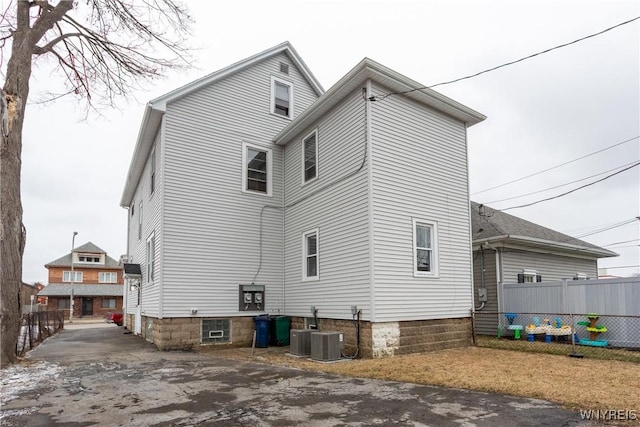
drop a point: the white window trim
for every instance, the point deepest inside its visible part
(111, 274)
(148, 278)
(306, 278)
(153, 179)
(435, 270)
(140, 220)
(272, 98)
(245, 146)
(315, 131)
(75, 273)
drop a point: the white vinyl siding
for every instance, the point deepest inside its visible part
(339, 212)
(142, 223)
(419, 170)
(550, 267)
(211, 229)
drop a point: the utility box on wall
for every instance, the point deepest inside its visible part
(326, 346)
(251, 298)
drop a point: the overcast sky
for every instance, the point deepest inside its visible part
(541, 112)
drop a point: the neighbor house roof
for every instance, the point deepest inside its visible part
(65, 261)
(64, 290)
(494, 226)
(156, 108)
(392, 80)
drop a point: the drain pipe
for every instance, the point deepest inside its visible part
(482, 285)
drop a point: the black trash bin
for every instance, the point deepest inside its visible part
(262, 330)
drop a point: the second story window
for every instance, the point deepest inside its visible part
(256, 169)
(77, 276)
(151, 258)
(153, 170)
(281, 97)
(140, 221)
(107, 277)
(310, 156)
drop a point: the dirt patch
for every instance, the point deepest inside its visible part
(575, 383)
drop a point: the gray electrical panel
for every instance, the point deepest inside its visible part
(326, 346)
(300, 342)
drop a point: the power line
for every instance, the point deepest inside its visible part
(557, 166)
(557, 186)
(382, 97)
(619, 243)
(622, 266)
(611, 227)
(571, 191)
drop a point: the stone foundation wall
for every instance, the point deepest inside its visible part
(184, 333)
(395, 338)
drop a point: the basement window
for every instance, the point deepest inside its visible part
(216, 331)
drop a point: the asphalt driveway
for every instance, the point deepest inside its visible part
(97, 375)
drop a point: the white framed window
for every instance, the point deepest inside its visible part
(310, 255)
(580, 276)
(256, 169)
(281, 97)
(310, 157)
(425, 248)
(89, 258)
(140, 221)
(153, 171)
(108, 277)
(151, 257)
(77, 276)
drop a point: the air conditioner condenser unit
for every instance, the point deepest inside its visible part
(300, 342)
(326, 346)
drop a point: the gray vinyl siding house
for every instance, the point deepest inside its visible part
(507, 249)
(365, 203)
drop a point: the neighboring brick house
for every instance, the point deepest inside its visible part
(95, 285)
(26, 291)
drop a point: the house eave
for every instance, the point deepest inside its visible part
(149, 127)
(396, 82)
(559, 247)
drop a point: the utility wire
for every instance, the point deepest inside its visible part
(611, 227)
(557, 166)
(382, 97)
(571, 191)
(558, 186)
(619, 243)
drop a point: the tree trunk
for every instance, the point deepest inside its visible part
(12, 233)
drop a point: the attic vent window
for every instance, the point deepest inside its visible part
(284, 68)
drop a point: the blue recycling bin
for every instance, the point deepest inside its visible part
(262, 330)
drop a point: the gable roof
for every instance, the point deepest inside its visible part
(394, 81)
(155, 109)
(89, 247)
(490, 225)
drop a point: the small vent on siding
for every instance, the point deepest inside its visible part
(284, 68)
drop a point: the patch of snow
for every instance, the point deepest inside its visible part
(19, 378)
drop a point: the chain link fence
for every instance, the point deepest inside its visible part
(36, 327)
(597, 336)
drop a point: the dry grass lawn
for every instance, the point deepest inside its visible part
(574, 383)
